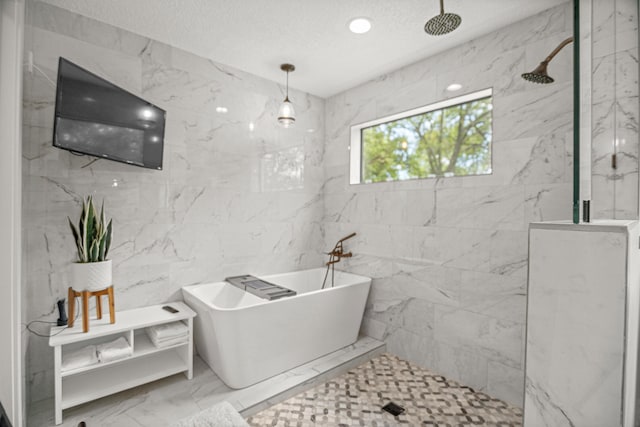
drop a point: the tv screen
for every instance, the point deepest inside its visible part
(97, 118)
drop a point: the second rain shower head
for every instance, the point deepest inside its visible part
(539, 75)
(443, 23)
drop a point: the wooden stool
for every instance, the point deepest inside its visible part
(85, 305)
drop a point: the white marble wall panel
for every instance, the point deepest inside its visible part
(576, 326)
(449, 256)
(454, 362)
(615, 109)
(504, 380)
(232, 198)
(544, 202)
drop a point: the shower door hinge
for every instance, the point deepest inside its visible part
(614, 161)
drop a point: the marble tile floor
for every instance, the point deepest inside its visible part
(165, 401)
(356, 398)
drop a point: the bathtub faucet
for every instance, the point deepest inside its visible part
(334, 256)
(338, 251)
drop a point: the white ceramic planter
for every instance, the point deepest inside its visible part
(91, 276)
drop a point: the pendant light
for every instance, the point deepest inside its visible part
(286, 114)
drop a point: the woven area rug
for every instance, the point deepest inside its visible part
(356, 399)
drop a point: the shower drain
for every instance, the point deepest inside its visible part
(393, 409)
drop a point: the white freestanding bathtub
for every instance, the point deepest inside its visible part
(246, 339)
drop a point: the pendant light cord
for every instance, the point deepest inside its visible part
(287, 97)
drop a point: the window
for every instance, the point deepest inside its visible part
(449, 138)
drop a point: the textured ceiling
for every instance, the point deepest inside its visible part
(258, 35)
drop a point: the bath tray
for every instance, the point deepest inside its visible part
(260, 288)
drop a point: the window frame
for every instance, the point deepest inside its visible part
(355, 147)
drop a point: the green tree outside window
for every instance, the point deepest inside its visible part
(452, 141)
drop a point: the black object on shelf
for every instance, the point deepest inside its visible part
(62, 320)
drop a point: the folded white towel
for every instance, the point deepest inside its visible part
(167, 330)
(170, 341)
(159, 340)
(79, 358)
(114, 350)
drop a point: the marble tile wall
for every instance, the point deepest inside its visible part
(449, 256)
(615, 109)
(237, 193)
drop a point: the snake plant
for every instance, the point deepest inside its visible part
(93, 234)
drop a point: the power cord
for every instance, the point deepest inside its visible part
(28, 325)
(31, 66)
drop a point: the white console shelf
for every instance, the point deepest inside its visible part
(147, 363)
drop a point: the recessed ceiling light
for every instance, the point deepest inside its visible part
(359, 25)
(454, 87)
(221, 110)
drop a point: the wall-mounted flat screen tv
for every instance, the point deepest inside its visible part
(96, 117)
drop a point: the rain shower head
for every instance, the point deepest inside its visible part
(443, 23)
(539, 75)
